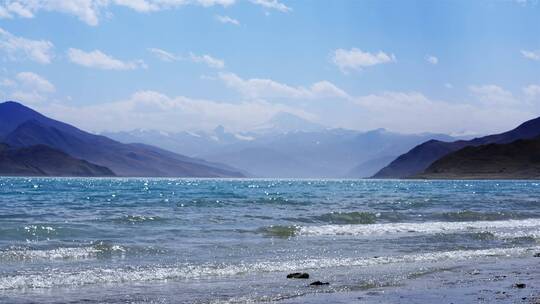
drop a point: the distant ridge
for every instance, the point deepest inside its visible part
(422, 156)
(288, 151)
(23, 127)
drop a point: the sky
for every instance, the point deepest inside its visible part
(451, 66)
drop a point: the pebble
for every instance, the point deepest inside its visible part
(319, 283)
(298, 275)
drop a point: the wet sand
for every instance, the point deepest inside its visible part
(483, 282)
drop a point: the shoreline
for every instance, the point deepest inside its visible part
(473, 280)
(483, 282)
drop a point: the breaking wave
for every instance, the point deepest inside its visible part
(50, 279)
(423, 227)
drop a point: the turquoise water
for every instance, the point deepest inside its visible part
(207, 241)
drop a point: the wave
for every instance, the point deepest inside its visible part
(98, 249)
(280, 231)
(355, 217)
(480, 227)
(423, 227)
(352, 217)
(51, 279)
(468, 215)
(533, 235)
(74, 253)
(220, 202)
(135, 219)
(277, 200)
(365, 217)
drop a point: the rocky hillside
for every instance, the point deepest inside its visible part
(517, 160)
(41, 160)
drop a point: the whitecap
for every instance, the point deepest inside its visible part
(414, 228)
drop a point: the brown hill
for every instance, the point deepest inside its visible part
(517, 160)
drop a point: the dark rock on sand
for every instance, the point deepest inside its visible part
(537, 255)
(319, 283)
(298, 275)
(520, 285)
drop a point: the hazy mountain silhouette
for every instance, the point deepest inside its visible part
(295, 148)
(23, 127)
(371, 166)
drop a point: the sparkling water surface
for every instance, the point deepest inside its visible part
(137, 240)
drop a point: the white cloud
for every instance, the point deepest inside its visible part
(408, 112)
(29, 87)
(206, 3)
(326, 89)
(432, 59)
(163, 55)
(272, 4)
(19, 9)
(532, 55)
(31, 97)
(355, 59)
(493, 95)
(258, 88)
(18, 48)
(413, 112)
(138, 5)
(4, 13)
(208, 60)
(155, 110)
(35, 82)
(146, 6)
(227, 19)
(89, 11)
(532, 91)
(86, 10)
(99, 60)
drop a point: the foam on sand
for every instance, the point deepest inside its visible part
(57, 278)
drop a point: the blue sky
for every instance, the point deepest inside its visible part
(457, 67)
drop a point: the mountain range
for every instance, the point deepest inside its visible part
(417, 160)
(288, 146)
(22, 127)
(32, 144)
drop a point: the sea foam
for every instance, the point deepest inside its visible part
(51, 279)
(419, 228)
